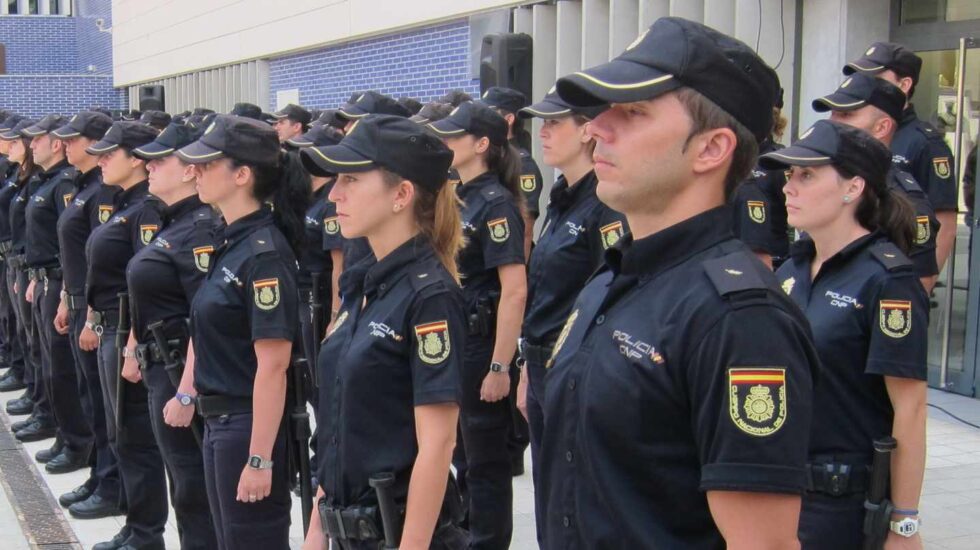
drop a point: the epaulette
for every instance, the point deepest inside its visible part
(890, 256)
(423, 276)
(492, 193)
(906, 182)
(734, 273)
(262, 242)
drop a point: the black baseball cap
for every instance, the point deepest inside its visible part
(90, 124)
(102, 110)
(882, 56)
(172, 138)
(329, 116)
(848, 148)
(157, 119)
(4, 114)
(47, 124)
(372, 103)
(249, 110)
(319, 135)
(553, 106)
(130, 115)
(241, 138)
(201, 111)
(473, 118)
(128, 134)
(508, 99)
(412, 105)
(675, 53)
(9, 123)
(294, 113)
(15, 131)
(861, 89)
(390, 142)
(431, 112)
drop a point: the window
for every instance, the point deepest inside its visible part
(12, 7)
(54, 7)
(938, 11)
(32, 7)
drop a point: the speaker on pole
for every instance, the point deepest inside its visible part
(505, 60)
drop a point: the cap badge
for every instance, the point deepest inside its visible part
(788, 285)
(846, 83)
(807, 133)
(870, 51)
(73, 118)
(210, 128)
(353, 126)
(639, 39)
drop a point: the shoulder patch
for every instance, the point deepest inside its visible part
(890, 256)
(734, 273)
(262, 242)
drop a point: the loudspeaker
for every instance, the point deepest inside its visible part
(151, 98)
(505, 60)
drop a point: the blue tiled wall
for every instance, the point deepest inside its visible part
(94, 47)
(39, 44)
(422, 63)
(36, 96)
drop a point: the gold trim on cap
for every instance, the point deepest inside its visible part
(348, 115)
(855, 104)
(33, 134)
(196, 157)
(854, 65)
(152, 153)
(76, 134)
(780, 155)
(543, 114)
(445, 132)
(104, 149)
(633, 86)
(342, 162)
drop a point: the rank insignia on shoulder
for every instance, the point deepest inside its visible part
(266, 293)
(67, 198)
(757, 211)
(788, 285)
(561, 338)
(895, 317)
(433, 342)
(202, 257)
(529, 183)
(331, 226)
(611, 233)
(147, 232)
(499, 229)
(105, 212)
(757, 399)
(922, 230)
(941, 166)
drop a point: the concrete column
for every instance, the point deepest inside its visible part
(623, 15)
(522, 20)
(544, 71)
(568, 48)
(595, 32)
(650, 11)
(688, 9)
(720, 15)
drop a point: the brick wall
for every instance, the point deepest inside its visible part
(422, 63)
(39, 44)
(94, 47)
(36, 96)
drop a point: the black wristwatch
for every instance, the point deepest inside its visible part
(497, 367)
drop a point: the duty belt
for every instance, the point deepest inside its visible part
(103, 319)
(539, 355)
(39, 274)
(360, 523)
(147, 354)
(305, 296)
(16, 261)
(220, 405)
(837, 479)
(75, 302)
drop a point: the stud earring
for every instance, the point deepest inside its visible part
(847, 199)
(397, 207)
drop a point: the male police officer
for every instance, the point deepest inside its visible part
(918, 147)
(678, 400)
(291, 121)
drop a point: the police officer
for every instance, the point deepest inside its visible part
(577, 231)
(431, 112)
(869, 317)
(918, 147)
(162, 280)
(135, 221)
(670, 421)
(240, 367)
(156, 119)
(390, 368)
(291, 122)
(13, 378)
(369, 103)
(494, 284)
(91, 205)
(41, 424)
(55, 191)
(248, 110)
(875, 106)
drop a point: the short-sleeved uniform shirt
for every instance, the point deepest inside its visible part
(531, 182)
(92, 205)
(759, 207)
(112, 244)
(683, 368)
(56, 186)
(923, 252)
(249, 294)
(869, 316)
(164, 276)
(18, 215)
(314, 258)
(920, 149)
(397, 344)
(494, 232)
(8, 192)
(352, 250)
(577, 231)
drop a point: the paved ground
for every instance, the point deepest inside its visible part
(952, 489)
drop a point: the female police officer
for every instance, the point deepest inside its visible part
(163, 279)
(107, 251)
(243, 326)
(869, 317)
(389, 371)
(494, 287)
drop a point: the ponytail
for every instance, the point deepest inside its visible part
(505, 162)
(889, 212)
(522, 138)
(27, 167)
(287, 187)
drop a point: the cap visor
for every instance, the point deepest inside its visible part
(153, 150)
(33, 131)
(794, 155)
(351, 112)
(299, 142)
(199, 153)
(278, 116)
(334, 159)
(101, 148)
(10, 136)
(446, 127)
(546, 110)
(865, 66)
(837, 102)
(419, 119)
(65, 132)
(618, 81)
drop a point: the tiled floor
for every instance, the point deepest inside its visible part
(952, 489)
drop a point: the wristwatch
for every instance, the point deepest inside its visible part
(184, 399)
(258, 463)
(497, 367)
(129, 353)
(906, 528)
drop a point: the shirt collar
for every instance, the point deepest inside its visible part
(908, 115)
(88, 178)
(804, 250)
(51, 172)
(381, 276)
(671, 246)
(563, 196)
(476, 185)
(244, 226)
(321, 193)
(181, 207)
(133, 194)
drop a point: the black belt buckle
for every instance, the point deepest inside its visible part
(837, 478)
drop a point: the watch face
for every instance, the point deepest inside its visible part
(255, 461)
(185, 400)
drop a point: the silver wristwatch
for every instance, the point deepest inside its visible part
(906, 528)
(257, 462)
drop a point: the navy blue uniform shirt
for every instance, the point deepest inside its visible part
(314, 258)
(759, 206)
(164, 277)
(494, 231)
(55, 189)
(112, 244)
(249, 294)
(18, 215)
(869, 316)
(577, 230)
(682, 369)
(531, 182)
(92, 205)
(397, 344)
(7, 194)
(923, 252)
(920, 149)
